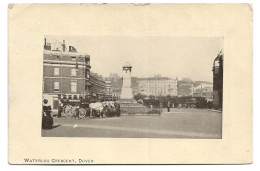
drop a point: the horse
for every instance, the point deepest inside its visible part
(96, 109)
(103, 109)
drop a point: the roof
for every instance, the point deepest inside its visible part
(82, 55)
(219, 55)
(155, 78)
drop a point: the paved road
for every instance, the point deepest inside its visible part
(179, 123)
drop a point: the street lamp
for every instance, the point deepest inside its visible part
(160, 103)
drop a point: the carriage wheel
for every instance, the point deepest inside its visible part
(68, 110)
(82, 113)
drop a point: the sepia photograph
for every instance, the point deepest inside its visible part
(130, 84)
(132, 87)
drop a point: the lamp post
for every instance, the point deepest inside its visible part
(160, 103)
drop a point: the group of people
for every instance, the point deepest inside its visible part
(111, 110)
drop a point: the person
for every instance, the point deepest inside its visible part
(47, 120)
(117, 109)
(168, 106)
(77, 112)
(64, 110)
(60, 109)
(109, 110)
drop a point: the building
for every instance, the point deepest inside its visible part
(204, 90)
(66, 74)
(97, 86)
(108, 86)
(158, 86)
(218, 81)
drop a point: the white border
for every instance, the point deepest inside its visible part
(4, 91)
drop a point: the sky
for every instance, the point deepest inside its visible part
(173, 57)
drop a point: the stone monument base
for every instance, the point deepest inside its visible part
(127, 101)
(131, 107)
(126, 93)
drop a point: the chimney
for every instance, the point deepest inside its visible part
(46, 47)
(70, 48)
(63, 46)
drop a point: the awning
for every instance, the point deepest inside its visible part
(74, 100)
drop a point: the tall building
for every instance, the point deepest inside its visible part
(218, 81)
(66, 74)
(158, 86)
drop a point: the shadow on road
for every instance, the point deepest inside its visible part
(55, 126)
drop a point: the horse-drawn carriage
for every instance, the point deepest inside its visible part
(96, 109)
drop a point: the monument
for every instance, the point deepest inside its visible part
(128, 105)
(126, 91)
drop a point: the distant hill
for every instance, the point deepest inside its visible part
(185, 87)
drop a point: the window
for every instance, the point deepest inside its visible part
(56, 57)
(73, 86)
(56, 71)
(217, 63)
(87, 74)
(56, 86)
(73, 72)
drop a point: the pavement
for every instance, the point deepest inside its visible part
(178, 123)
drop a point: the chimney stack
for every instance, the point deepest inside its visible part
(63, 46)
(46, 47)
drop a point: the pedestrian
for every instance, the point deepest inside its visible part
(109, 110)
(117, 109)
(47, 120)
(77, 112)
(168, 106)
(60, 109)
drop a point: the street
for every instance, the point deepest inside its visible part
(178, 123)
